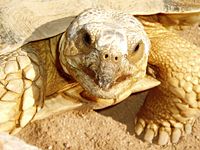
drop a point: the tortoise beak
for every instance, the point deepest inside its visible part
(104, 82)
(107, 74)
(104, 76)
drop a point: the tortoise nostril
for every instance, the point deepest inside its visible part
(106, 56)
(109, 57)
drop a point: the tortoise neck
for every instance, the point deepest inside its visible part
(61, 47)
(57, 78)
(55, 44)
(54, 47)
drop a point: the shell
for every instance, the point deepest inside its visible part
(22, 21)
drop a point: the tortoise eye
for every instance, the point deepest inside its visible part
(136, 52)
(136, 48)
(87, 39)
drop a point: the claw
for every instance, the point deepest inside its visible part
(139, 127)
(163, 137)
(151, 132)
(188, 128)
(149, 135)
(176, 134)
(167, 131)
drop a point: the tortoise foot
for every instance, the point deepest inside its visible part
(161, 121)
(163, 133)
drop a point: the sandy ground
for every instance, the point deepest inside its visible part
(108, 129)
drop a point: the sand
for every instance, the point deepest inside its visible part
(109, 129)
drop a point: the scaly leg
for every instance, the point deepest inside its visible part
(170, 110)
(21, 88)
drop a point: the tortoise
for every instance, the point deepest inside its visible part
(55, 57)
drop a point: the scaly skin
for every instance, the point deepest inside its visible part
(170, 109)
(27, 76)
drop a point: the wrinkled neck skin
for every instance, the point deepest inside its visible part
(110, 61)
(48, 52)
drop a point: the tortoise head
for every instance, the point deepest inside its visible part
(105, 51)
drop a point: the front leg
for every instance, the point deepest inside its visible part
(170, 110)
(22, 84)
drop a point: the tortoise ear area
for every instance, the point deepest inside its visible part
(145, 83)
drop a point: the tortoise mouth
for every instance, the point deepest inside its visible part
(89, 72)
(88, 79)
(115, 89)
(122, 86)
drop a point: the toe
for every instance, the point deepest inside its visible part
(139, 127)
(163, 137)
(149, 135)
(176, 134)
(188, 128)
(151, 132)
